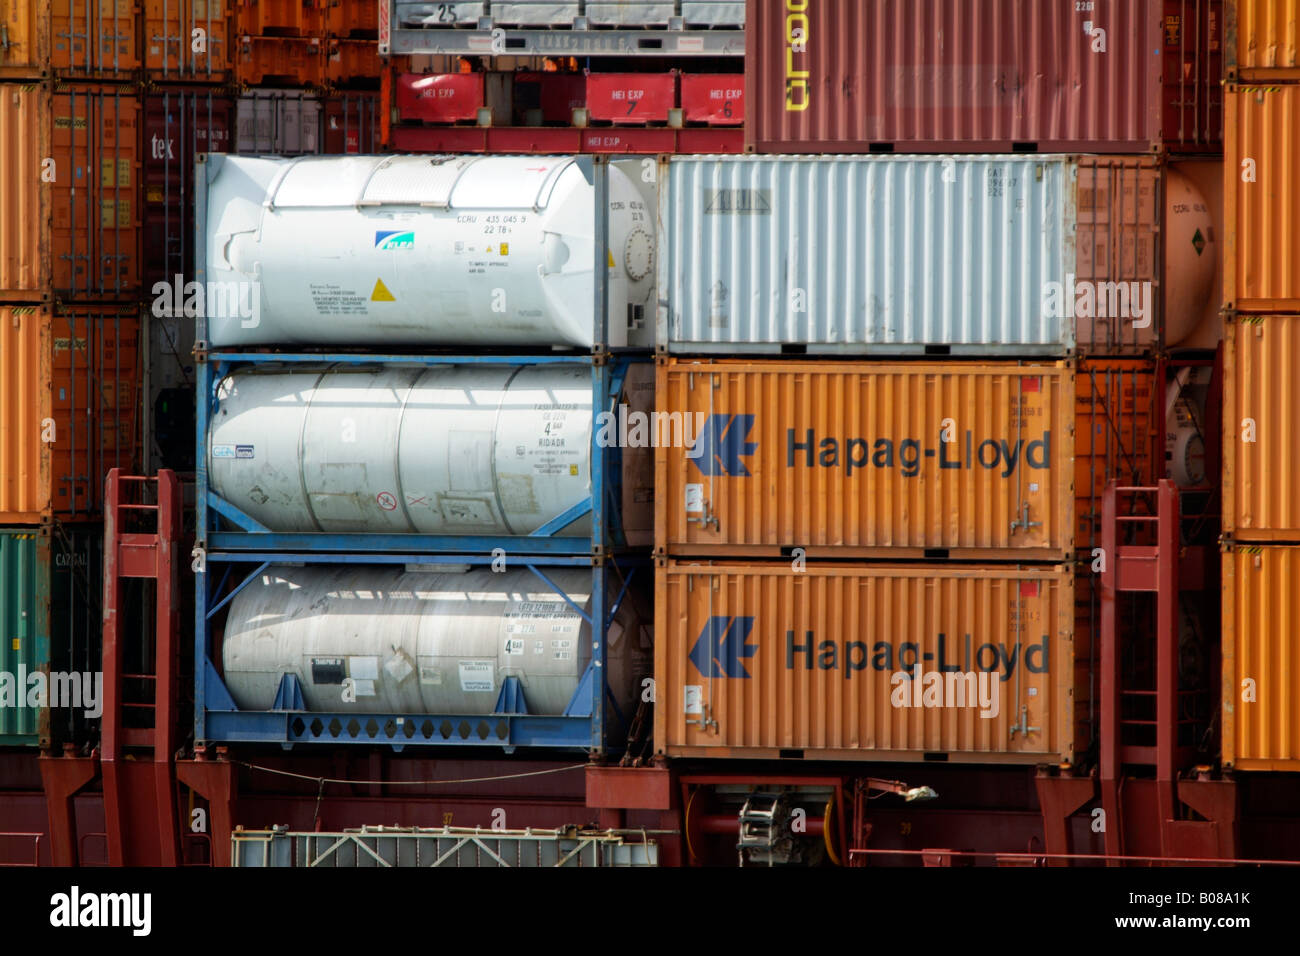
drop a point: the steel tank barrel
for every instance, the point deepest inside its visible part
(420, 250)
(480, 449)
(419, 642)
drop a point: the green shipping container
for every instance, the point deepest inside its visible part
(50, 619)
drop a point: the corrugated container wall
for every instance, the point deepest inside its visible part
(177, 123)
(1262, 199)
(74, 153)
(1261, 658)
(24, 231)
(69, 407)
(901, 461)
(50, 583)
(74, 39)
(1261, 40)
(764, 661)
(1261, 428)
(1116, 76)
(187, 40)
(1010, 255)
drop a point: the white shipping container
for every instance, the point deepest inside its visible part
(461, 13)
(986, 255)
(532, 13)
(713, 13)
(628, 13)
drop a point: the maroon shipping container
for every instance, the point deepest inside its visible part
(351, 123)
(1111, 76)
(177, 124)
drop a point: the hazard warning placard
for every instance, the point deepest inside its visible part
(381, 293)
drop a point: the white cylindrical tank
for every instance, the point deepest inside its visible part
(421, 642)
(481, 449)
(419, 250)
(1191, 256)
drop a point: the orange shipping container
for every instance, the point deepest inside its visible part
(1261, 198)
(1261, 428)
(287, 18)
(289, 61)
(76, 39)
(75, 228)
(173, 51)
(345, 18)
(894, 460)
(69, 407)
(350, 60)
(1262, 40)
(1261, 658)
(24, 231)
(765, 661)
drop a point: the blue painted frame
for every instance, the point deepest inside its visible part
(607, 377)
(587, 723)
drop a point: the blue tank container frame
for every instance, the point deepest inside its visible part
(221, 525)
(592, 722)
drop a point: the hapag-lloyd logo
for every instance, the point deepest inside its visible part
(724, 444)
(724, 647)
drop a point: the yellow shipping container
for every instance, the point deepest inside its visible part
(913, 460)
(1261, 658)
(1261, 428)
(1261, 198)
(881, 662)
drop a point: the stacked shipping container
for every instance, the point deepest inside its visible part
(70, 350)
(994, 468)
(1261, 492)
(638, 91)
(493, 461)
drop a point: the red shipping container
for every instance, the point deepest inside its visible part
(177, 124)
(438, 97)
(714, 98)
(631, 97)
(984, 75)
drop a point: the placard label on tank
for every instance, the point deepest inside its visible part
(477, 677)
